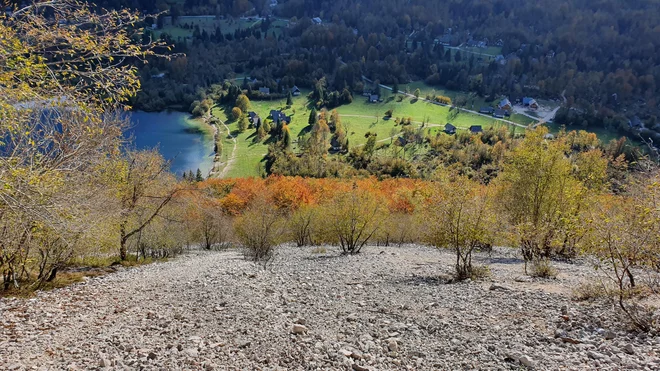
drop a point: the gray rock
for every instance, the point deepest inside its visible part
(104, 362)
(609, 335)
(392, 346)
(629, 348)
(299, 329)
(192, 352)
(526, 361)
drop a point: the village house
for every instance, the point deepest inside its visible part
(265, 91)
(295, 91)
(504, 104)
(486, 110)
(450, 129)
(374, 98)
(530, 102)
(279, 116)
(317, 20)
(254, 119)
(476, 129)
(499, 113)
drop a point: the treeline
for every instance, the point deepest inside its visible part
(548, 202)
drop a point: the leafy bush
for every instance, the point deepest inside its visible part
(260, 229)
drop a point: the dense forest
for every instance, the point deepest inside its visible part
(603, 55)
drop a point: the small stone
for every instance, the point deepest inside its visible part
(301, 321)
(191, 352)
(104, 362)
(595, 355)
(564, 310)
(393, 346)
(629, 348)
(299, 329)
(16, 366)
(345, 353)
(356, 355)
(357, 367)
(609, 335)
(244, 344)
(151, 355)
(526, 361)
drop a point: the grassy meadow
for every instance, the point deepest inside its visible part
(358, 118)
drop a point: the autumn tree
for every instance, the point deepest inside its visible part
(236, 113)
(624, 234)
(59, 87)
(352, 218)
(144, 188)
(243, 123)
(541, 197)
(259, 229)
(459, 215)
(243, 102)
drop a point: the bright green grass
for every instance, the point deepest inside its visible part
(493, 51)
(358, 118)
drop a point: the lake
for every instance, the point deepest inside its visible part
(180, 139)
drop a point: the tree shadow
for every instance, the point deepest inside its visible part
(306, 130)
(414, 100)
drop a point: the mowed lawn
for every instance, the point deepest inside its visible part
(358, 118)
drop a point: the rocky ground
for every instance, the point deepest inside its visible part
(385, 309)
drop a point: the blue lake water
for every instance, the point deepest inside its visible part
(177, 137)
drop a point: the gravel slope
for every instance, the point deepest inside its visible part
(385, 309)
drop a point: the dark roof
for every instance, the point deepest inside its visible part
(505, 102)
(476, 129)
(279, 116)
(294, 89)
(374, 97)
(486, 109)
(252, 114)
(528, 100)
(499, 113)
(450, 127)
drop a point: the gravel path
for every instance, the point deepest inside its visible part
(385, 309)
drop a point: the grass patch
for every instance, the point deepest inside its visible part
(358, 118)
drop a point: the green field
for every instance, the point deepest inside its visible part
(358, 118)
(210, 24)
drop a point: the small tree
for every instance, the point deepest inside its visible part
(260, 229)
(624, 234)
(243, 102)
(389, 113)
(395, 88)
(459, 216)
(303, 225)
(236, 113)
(199, 176)
(417, 93)
(289, 99)
(352, 218)
(243, 124)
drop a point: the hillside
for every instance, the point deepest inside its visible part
(387, 309)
